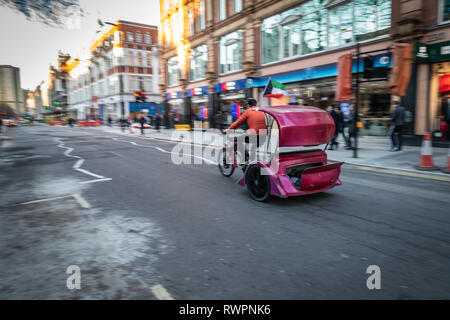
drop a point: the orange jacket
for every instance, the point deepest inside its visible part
(256, 120)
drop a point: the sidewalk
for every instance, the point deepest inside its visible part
(372, 151)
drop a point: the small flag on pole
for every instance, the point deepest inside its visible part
(274, 89)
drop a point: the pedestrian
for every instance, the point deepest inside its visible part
(71, 122)
(109, 121)
(337, 122)
(397, 122)
(351, 124)
(1, 125)
(158, 122)
(142, 122)
(122, 124)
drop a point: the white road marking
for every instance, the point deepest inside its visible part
(96, 180)
(161, 293)
(47, 199)
(165, 151)
(78, 164)
(81, 201)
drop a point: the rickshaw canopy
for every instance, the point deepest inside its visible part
(301, 125)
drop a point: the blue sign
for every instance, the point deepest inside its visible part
(173, 95)
(150, 106)
(231, 85)
(236, 110)
(324, 71)
(197, 91)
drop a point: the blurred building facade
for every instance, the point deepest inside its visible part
(58, 81)
(216, 53)
(122, 59)
(11, 92)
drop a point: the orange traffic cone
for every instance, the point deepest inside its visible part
(447, 170)
(426, 154)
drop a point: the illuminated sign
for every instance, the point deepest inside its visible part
(196, 91)
(174, 95)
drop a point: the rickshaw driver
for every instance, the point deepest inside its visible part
(256, 121)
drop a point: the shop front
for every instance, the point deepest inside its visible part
(433, 97)
(198, 101)
(316, 86)
(231, 97)
(175, 108)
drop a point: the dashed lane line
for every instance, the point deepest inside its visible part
(161, 293)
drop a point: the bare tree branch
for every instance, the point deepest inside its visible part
(49, 12)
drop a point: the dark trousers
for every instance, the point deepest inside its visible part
(396, 137)
(333, 140)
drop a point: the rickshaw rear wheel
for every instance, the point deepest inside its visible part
(258, 184)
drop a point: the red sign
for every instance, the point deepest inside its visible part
(444, 83)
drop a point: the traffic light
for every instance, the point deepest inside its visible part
(136, 96)
(140, 96)
(143, 96)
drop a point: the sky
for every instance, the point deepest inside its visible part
(33, 46)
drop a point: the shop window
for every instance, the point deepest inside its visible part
(198, 60)
(231, 52)
(173, 71)
(444, 10)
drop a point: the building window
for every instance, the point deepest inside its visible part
(444, 10)
(237, 6)
(139, 37)
(133, 84)
(222, 9)
(191, 22)
(130, 36)
(317, 25)
(149, 60)
(202, 16)
(230, 49)
(173, 71)
(372, 18)
(139, 59)
(130, 59)
(197, 62)
(148, 38)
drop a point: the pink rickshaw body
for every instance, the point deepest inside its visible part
(301, 126)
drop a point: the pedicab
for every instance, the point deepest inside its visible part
(293, 163)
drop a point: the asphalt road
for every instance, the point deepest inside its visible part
(134, 222)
